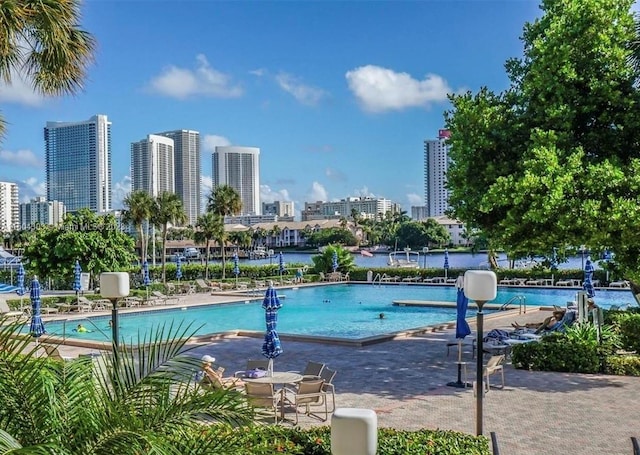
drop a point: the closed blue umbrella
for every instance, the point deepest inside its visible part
(334, 261)
(446, 263)
(77, 285)
(36, 328)
(271, 348)
(587, 284)
(281, 264)
(462, 327)
(236, 267)
(178, 268)
(20, 277)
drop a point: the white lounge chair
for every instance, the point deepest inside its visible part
(7, 312)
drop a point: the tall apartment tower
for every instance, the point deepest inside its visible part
(436, 164)
(187, 170)
(9, 211)
(39, 211)
(78, 163)
(152, 165)
(239, 167)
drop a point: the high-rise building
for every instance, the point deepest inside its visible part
(40, 211)
(239, 167)
(78, 163)
(152, 165)
(9, 213)
(436, 164)
(187, 170)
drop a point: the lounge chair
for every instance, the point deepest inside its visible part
(263, 395)
(308, 394)
(7, 312)
(54, 353)
(203, 286)
(217, 381)
(164, 298)
(619, 284)
(494, 365)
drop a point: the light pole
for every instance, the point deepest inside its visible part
(425, 250)
(113, 286)
(481, 286)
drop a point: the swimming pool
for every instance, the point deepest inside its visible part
(337, 311)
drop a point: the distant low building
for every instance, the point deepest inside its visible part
(283, 209)
(365, 207)
(39, 211)
(455, 229)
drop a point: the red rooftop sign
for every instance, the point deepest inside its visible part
(444, 134)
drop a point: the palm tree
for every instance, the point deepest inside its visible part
(138, 205)
(42, 41)
(143, 400)
(224, 201)
(210, 226)
(275, 233)
(167, 209)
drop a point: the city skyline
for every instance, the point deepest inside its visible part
(339, 97)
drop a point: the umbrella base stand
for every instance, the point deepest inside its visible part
(459, 384)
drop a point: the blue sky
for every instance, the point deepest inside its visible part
(339, 96)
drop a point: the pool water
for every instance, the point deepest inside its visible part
(338, 311)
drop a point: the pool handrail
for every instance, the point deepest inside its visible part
(522, 303)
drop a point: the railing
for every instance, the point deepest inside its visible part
(522, 303)
(378, 278)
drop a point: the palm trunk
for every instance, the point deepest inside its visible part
(164, 254)
(206, 266)
(222, 242)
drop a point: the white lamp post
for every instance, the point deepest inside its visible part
(114, 286)
(480, 286)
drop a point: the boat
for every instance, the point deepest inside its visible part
(366, 253)
(406, 259)
(260, 252)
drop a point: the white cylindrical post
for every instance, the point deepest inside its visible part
(354, 431)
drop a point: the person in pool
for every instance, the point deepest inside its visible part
(381, 316)
(82, 329)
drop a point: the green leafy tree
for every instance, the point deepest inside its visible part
(143, 400)
(323, 262)
(417, 234)
(42, 41)
(138, 206)
(209, 226)
(167, 209)
(224, 201)
(553, 161)
(332, 236)
(95, 241)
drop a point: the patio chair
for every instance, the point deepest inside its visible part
(494, 365)
(327, 375)
(263, 395)
(266, 364)
(164, 298)
(312, 371)
(308, 394)
(203, 286)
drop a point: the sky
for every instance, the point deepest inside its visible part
(338, 96)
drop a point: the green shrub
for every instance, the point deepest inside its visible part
(629, 326)
(556, 352)
(263, 440)
(624, 365)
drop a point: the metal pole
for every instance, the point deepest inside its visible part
(114, 325)
(479, 368)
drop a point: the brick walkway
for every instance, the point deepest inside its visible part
(404, 381)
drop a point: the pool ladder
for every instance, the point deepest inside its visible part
(522, 303)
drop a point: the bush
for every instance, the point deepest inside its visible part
(557, 353)
(629, 326)
(623, 365)
(263, 440)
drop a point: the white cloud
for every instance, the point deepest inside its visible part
(335, 174)
(268, 195)
(317, 193)
(363, 192)
(24, 158)
(258, 72)
(305, 94)
(414, 199)
(31, 188)
(182, 83)
(211, 141)
(119, 191)
(19, 92)
(380, 89)
(206, 185)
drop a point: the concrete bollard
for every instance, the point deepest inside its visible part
(354, 431)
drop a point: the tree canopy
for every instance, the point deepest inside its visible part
(553, 160)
